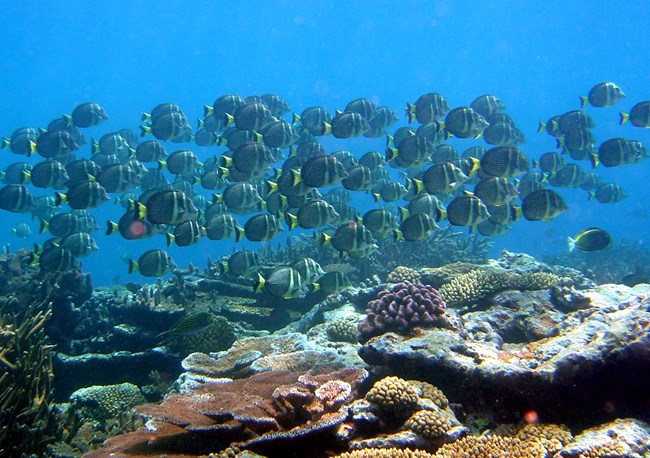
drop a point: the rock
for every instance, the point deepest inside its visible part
(593, 364)
(622, 437)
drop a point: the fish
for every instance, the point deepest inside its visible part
(495, 191)
(443, 178)
(185, 233)
(16, 198)
(504, 214)
(279, 134)
(117, 178)
(80, 244)
(83, 195)
(347, 125)
(88, 114)
(602, 95)
(284, 282)
(466, 210)
(608, 193)
(310, 271)
(414, 151)
(427, 108)
(543, 205)
(504, 161)
(489, 228)
(314, 120)
(152, 263)
(574, 119)
(350, 237)
(332, 282)
(551, 126)
(372, 159)
(322, 171)
(487, 105)
(168, 206)
(464, 122)
(253, 116)
(56, 144)
(21, 230)
(181, 162)
(277, 105)
(22, 141)
(391, 192)
(380, 222)
(16, 173)
(569, 176)
(366, 108)
(240, 198)
(549, 162)
(418, 226)
(47, 174)
(81, 170)
(639, 115)
(223, 227)
(54, 259)
(359, 178)
(262, 227)
(503, 135)
(192, 324)
(224, 105)
(428, 204)
(243, 263)
(619, 151)
(131, 227)
(590, 239)
(313, 214)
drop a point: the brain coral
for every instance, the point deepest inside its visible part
(342, 331)
(393, 394)
(402, 307)
(429, 391)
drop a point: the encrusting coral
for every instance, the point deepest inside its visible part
(473, 287)
(402, 307)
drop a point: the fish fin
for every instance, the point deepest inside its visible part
(144, 130)
(541, 127)
(223, 172)
(389, 140)
(144, 117)
(571, 243)
(535, 164)
(623, 117)
(25, 176)
(397, 234)
(391, 153)
(295, 119)
(403, 213)
(133, 266)
(59, 198)
(594, 159)
(207, 111)
(111, 227)
(259, 283)
(239, 233)
(584, 101)
(326, 128)
(376, 196)
(170, 238)
(591, 195)
(5, 143)
(324, 238)
(291, 220)
(271, 187)
(228, 119)
(43, 226)
(162, 165)
(217, 198)
(410, 112)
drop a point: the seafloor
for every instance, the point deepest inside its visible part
(443, 354)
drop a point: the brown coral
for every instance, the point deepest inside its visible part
(403, 274)
(263, 414)
(394, 395)
(342, 331)
(611, 450)
(553, 437)
(428, 424)
(491, 447)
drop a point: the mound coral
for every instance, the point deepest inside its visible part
(402, 307)
(403, 274)
(393, 395)
(342, 331)
(428, 424)
(553, 437)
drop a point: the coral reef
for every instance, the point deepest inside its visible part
(27, 419)
(403, 274)
(428, 391)
(402, 307)
(341, 330)
(103, 402)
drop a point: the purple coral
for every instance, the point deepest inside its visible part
(403, 307)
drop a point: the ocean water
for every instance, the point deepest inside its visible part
(538, 57)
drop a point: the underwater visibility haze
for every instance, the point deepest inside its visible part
(345, 208)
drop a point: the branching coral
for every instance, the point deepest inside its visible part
(27, 421)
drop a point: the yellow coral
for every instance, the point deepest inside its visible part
(552, 437)
(403, 274)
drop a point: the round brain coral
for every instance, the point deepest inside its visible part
(403, 307)
(428, 424)
(393, 394)
(403, 274)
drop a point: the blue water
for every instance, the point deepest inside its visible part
(538, 57)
